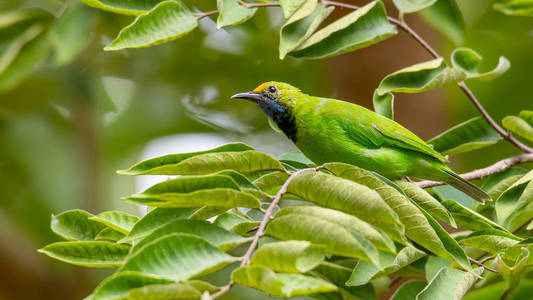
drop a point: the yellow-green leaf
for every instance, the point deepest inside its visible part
(289, 256)
(280, 284)
(231, 12)
(130, 7)
(88, 254)
(117, 220)
(167, 21)
(361, 28)
(178, 256)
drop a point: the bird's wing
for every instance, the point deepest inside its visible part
(400, 137)
(371, 130)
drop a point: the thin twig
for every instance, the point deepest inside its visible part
(498, 167)
(523, 226)
(506, 135)
(475, 262)
(261, 229)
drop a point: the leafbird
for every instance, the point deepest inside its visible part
(330, 130)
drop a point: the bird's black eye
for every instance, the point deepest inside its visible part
(272, 89)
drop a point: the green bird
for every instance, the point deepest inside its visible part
(330, 130)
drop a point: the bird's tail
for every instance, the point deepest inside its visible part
(466, 187)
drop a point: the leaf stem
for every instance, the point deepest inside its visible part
(497, 167)
(475, 262)
(261, 230)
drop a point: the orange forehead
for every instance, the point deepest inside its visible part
(260, 88)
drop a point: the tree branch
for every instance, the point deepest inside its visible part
(498, 167)
(475, 262)
(403, 26)
(261, 230)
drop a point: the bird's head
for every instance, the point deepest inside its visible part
(274, 98)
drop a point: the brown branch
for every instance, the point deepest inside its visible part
(506, 135)
(475, 262)
(498, 167)
(261, 230)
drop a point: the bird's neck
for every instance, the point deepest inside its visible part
(282, 115)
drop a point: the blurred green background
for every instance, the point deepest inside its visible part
(71, 114)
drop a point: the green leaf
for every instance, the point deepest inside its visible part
(301, 25)
(117, 220)
(289, 256)
(290, 6)
(131, 7)
(13, 47)
(470, 135)
(271, 180)
(231, 12)
(361, 28)
(25, 62)
(419, 225)
(363, 272)
(188, 184)
(433, 266)
(334, 237)
(167, 21)
(349, 222)
(467, 218)
(217, 197)
(410, 6)
(178, 256)
(160, 165)
(296, 156)
(119, 284)
(449, 284)
(414, 79)
(12, 17)
(215, 235)
(446, 17)
(516, 8)
(432, 74)
(511, 200)
(88, 254)
(498, 183)
(519, 126)
(135, 285)
(523, 212)
(109, 235)
(235, 223)
(279, 284)
(75, 225)
(208, 163)
(338, 275)
(514, 259)
(468, 61)
(170, 291)
(408, 290)
(344, 195)
(157, 218)
(70, 35)
(427, 202)
(196, 191)
(240, 179)
(490, 240)
(526, 115)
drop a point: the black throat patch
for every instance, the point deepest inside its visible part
(281, 115)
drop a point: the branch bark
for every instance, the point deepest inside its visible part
(261, 230)
(498, 167)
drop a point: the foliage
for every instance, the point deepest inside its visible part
(356, 227)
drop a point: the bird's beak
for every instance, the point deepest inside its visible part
(255, 97)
